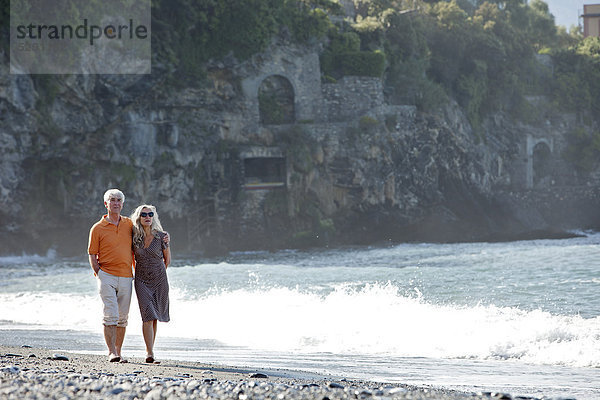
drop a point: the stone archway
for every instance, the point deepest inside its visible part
(276, 101)
(539, 153)
(541, 162)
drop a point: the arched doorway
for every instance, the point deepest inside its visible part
(538, 161)
(276, 101)
(541, 163)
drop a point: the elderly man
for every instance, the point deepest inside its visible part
(111, 258)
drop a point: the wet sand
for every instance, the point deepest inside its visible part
(34, 373)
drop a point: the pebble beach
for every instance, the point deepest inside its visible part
(34, 373)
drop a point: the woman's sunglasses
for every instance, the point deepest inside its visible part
(147, 214)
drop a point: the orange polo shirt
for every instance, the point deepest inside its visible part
(112, 244)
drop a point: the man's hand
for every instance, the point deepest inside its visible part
(94, 263)
(167, 238)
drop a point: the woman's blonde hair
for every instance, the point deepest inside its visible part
(138, 231)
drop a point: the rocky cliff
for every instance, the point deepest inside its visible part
(262, 154)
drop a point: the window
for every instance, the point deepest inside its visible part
(264, 172)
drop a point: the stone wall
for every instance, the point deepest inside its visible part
(351, 97)
(299, 66)
(347, 99)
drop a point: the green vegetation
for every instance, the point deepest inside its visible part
(272, 112)
(480, 53)
(583, 149)
(344, 57)
(576, 84)
(190, 32)
(359, 63)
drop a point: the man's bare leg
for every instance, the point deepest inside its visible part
(110, 336)
(120, 337)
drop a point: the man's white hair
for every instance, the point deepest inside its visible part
(113, 193)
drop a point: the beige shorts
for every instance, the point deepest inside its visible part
(115, 292)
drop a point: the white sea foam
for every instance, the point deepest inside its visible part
(55, 311)
(376, 320)
(25, 259)
(372, 320)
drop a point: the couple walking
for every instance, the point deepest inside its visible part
(115, 242)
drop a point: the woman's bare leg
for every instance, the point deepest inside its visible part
(149, 336)
(155, 326)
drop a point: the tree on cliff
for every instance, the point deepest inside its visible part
(480, 53)
(188, 33)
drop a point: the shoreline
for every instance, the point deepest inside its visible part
(28, 373)
(15, 243)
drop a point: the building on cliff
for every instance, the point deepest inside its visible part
(591, 20)
(284, 106)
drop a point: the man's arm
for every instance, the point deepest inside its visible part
(94, 263)
(93, 249)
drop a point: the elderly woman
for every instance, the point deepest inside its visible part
(152, 257)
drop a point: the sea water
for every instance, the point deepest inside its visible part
(516, 317)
